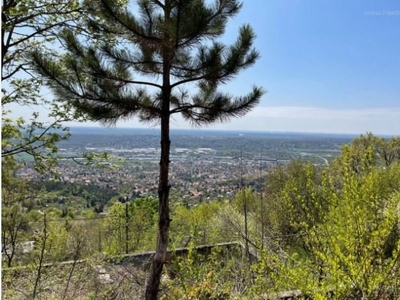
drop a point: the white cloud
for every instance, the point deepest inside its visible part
(301, 112)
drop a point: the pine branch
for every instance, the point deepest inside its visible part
(158, 3)
(214, 107)
(121, 18)
(222, 14)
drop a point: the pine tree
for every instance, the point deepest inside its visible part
(138, 65)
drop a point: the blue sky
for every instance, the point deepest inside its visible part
(328, 54)
(328, 66)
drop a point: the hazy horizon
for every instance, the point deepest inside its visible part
(211, 130)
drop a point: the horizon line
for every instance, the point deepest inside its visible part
(233, 130)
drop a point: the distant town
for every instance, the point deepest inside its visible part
(206, 165)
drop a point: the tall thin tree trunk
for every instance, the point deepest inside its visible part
(126, 227)
(153, 281)
(41, 258)
(261, 200)
(244, 199)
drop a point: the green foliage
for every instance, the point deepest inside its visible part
(246, 199)
(218, 275)
(346, 239)
(293, 190)
(129, 226)
(16, 198)
(74, 197)
(198, 225)
(369, 150)
(303, 197)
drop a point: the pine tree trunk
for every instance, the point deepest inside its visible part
(153, 281)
